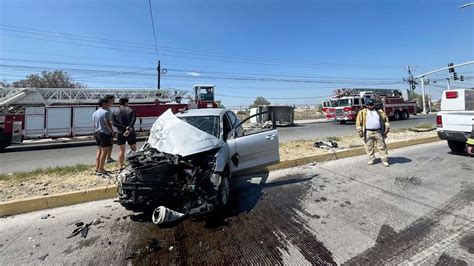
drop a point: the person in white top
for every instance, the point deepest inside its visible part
(373, 127)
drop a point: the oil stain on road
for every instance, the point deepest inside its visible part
(262, 223)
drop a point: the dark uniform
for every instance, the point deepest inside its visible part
(124, 119)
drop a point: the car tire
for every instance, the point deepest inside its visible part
(405, 115)
(223, 193)
(456, 146)
(396, 115)
(342, 122)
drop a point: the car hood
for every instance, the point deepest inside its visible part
(171, 135)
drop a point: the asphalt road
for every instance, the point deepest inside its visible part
(14, 160)
(418, 211)
(318, 130)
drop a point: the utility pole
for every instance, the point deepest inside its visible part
(411, 83)
(423, 94)
(428, 95)
(159, 74)
(448, 83)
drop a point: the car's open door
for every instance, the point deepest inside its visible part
(257, 146)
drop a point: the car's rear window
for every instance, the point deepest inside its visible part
(208, 124)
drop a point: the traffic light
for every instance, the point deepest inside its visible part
(455, 76)
(451, 68)
(461, 78)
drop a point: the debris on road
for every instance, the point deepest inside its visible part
(45, 216)
(326, 144)
(81, 228)
(85, 231)
(42, 258)
(164, 215)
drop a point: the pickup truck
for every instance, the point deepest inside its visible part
(456, 119)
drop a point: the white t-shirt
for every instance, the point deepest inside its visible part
(373, 120)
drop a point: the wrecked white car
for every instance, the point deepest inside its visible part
(188, 161)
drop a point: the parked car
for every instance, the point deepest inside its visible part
(455, 121)
(189, 159)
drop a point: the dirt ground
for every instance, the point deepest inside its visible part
(42, 184)
(50, 182)
(305, 114)
(304, 148)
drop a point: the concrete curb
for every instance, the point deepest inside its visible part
(69, 198)
(57, 200)
(53, 145)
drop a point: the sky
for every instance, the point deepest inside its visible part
(291, 52)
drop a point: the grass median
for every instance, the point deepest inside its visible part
(48, 181)
(55, 180)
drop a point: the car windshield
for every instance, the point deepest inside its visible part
(340, 102)
(208, 124)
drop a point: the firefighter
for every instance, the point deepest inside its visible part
(470, 142)
(373, 127)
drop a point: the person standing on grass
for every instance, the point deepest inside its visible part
(111, 98)
(103, 135)
(373, 126)
(124, 120)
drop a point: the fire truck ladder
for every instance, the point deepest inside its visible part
(64, 96)
(356, 92)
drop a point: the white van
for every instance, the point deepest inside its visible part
(456, 119)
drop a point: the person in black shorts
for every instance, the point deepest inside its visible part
(124, 120)
(103, 135)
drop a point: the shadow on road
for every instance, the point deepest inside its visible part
(399, 160)
(247, 194)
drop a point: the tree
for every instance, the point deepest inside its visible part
(259, 101)
(55, 79)
(419, 100)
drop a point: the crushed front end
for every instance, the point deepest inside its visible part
(153, 178)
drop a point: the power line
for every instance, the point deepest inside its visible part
(153, 27)
(182, 50)
(239, 78)
(199, 71)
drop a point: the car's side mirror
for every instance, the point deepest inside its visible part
(231, 134)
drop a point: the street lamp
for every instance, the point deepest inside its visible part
(467, 5)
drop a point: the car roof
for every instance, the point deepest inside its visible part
(202, 112)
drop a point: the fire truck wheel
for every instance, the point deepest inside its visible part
(396, 115)
(342, 122)
(405, 115)
(4, 140)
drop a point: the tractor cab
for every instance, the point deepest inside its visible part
(204, 93)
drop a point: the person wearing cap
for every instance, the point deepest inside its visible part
(373, 127)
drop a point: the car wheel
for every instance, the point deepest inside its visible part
(405, 115)
(342, 122)
(457, 146)
(396, 115)
(224, 191)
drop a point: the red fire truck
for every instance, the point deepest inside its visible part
(43, 113)
(346, 102)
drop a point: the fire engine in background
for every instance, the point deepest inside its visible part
(346, 103)
(39, 113)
